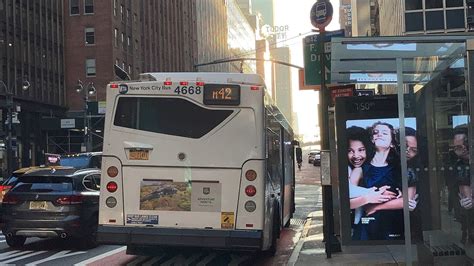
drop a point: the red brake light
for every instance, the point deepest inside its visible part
(254, 88)
(114, 86)
(183, 83)
(200, 83)
(250, 191)
(112, 186)
(167, 83)
(68, 200)
(8, 199)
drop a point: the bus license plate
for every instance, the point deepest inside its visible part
(138, 155)
(38, 205)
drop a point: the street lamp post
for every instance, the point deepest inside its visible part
(9, 104)
(89, 91)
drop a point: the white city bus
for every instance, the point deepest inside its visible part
(195, 159)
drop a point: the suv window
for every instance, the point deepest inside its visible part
(43, 184)
(170, 116)
(92, 182)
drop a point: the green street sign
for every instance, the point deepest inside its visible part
(313, 51)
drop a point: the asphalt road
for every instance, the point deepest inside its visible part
(63, 252)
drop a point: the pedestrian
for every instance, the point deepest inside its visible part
(463, 181)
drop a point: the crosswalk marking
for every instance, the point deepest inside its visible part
(155, 259)
(138, 260)
(57, 255)
(31, 254)
(207, 259)
(8, 254)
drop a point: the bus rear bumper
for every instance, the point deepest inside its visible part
(210, 238)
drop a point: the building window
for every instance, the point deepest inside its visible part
(121, 12)
(455, 3)
(90, 67)
(414, 21)
(74, 7)
(90, 36)
(413, 4)
(455, 19)
(434, 4)
(128, 41)
(130, 70)
(116, 37)
(88, 6)
(123, 40)
(435, 20)
(115, 8)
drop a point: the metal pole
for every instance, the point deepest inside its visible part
(86, 126)
(331, 242)
(9, 98)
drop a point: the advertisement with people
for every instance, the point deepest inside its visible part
(375, 179)
(370, 174)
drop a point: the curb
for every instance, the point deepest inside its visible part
(296, 252)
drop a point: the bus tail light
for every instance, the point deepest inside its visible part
(200, 83)
(251, 175)
(111, 202)
(114, 86)
(168, 83)
(250, 191)
(183, 83)
(112, 171)
(112, 186)
(250, 206)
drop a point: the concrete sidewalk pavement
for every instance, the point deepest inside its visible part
(310, 248)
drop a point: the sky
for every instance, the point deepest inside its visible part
(296, 14)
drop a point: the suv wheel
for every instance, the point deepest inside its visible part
(15, 241)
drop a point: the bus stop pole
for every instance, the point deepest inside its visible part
(331, 242)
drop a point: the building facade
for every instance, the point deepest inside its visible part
(32, 53)
(138, 37)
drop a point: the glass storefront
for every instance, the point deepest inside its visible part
(413, 170)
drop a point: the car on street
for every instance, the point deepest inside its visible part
(317, 159)
(312, 155)
(52, 203)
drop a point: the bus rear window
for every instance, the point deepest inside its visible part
(170, 116)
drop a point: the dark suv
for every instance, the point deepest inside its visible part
(53, 203)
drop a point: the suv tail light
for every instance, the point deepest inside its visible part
(4, 189)
(9, 199)
(69, 200)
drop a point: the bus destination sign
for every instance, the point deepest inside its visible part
(221, 94)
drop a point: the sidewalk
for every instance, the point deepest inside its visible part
(310, 248)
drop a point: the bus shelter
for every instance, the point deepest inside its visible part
(418, 89)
